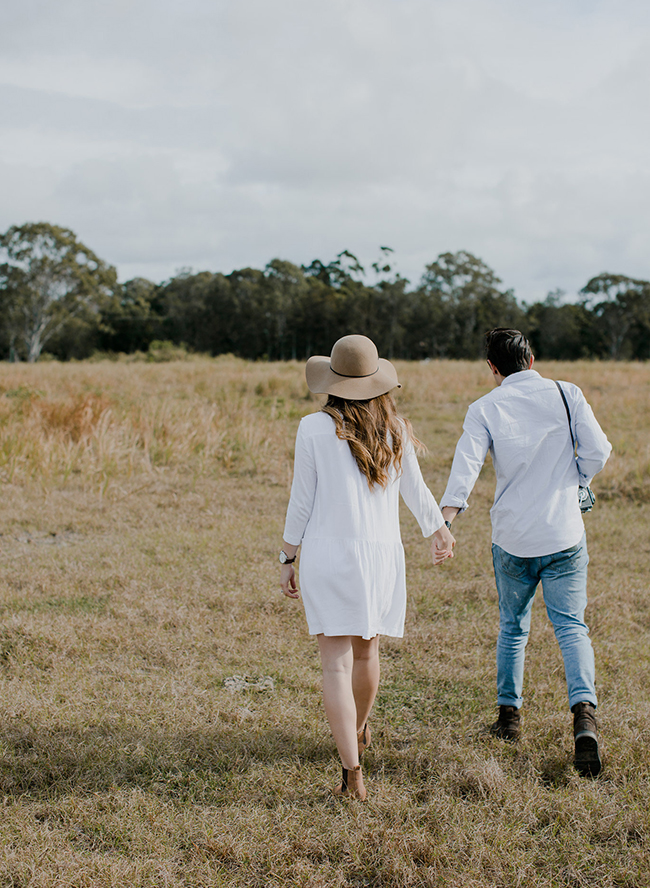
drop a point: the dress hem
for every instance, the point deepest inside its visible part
(366, 636)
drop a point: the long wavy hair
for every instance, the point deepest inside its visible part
(375, 432)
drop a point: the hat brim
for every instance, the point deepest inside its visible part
(321, 379)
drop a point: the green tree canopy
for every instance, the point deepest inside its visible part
(557, 329)
(459, 300)
(47, 278)
(57, 295)
(621, 309)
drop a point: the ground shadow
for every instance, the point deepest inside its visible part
(47, 762)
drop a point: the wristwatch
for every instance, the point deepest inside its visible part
(284, 558)
(448, 523)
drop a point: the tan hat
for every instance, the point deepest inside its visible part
(354, 372)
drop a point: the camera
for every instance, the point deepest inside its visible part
(586, 499)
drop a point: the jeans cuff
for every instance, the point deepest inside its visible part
(510, 701)
(583, 698)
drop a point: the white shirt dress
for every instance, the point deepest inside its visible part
(352, 573)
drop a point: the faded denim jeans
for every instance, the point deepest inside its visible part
(563, 576)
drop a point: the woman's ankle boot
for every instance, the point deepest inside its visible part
(352, 785)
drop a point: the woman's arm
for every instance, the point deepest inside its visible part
(288, 573)
(301, 504)
(424, 507)
(303, 490)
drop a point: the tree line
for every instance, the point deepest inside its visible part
(58, 297)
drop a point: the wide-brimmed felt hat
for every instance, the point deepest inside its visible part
(354, 371)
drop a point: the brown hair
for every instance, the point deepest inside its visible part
(375, 432)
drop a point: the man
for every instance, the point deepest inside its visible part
(537, 529)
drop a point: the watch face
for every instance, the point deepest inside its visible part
(283, 557)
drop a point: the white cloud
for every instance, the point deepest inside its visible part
(220, 134)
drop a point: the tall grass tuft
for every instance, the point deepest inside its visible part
(96, 422)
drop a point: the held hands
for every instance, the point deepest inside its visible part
(442, 545)
(288, 581)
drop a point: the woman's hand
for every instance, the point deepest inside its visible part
(442, 545)
(288, 581)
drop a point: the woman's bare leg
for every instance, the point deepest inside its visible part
(337, 660)
(365, 676)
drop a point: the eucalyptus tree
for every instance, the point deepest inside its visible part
(390, 306)
(285, 289)
(620, 306)
(459, 300)
(48, 277)
(130, 320)
(559, 330)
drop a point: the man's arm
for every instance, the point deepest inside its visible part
(592, 446)
(449, 513)
(471, 450)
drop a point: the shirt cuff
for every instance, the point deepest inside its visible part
(454, 502)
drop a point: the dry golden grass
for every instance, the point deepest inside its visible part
(142, 513)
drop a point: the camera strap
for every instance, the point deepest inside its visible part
(586, 496)
(568, 412)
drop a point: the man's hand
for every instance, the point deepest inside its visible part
(288, 581)
(442, 545)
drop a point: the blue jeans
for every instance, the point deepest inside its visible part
(563, 576)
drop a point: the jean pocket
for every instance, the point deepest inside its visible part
(569, 560)
(509, 565)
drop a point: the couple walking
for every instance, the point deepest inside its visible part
(354, 458)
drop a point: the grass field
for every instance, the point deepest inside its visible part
(160, 714)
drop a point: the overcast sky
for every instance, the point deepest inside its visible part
(218, 134)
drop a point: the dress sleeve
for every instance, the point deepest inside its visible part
(303, 489)
(417, 495)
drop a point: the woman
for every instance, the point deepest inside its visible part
(352, 459)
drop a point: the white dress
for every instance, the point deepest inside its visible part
(352, 573)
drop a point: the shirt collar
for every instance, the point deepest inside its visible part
(520, 376)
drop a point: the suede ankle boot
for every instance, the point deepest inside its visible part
(352, 785)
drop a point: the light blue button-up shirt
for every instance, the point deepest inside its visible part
(524, 426)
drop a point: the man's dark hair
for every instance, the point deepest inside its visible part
(508, 350)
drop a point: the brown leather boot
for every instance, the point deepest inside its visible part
(352, 785)
(585, 735)
(508, 725)
(363, 739)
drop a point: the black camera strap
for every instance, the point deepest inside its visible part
(568, 412)
(586, 496)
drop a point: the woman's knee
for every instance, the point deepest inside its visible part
(365, 648)
(336, 653)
